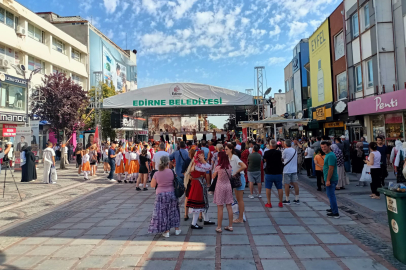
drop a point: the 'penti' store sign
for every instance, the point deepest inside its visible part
(178, 95)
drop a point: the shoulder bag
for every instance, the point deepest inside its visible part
(234, 180)
(178, 186)
(290, 159)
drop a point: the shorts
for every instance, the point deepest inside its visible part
(271, 179)
(242, 182)
(289, 178)
(106, 159)
(254, 177)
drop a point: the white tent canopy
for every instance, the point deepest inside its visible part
(181, 98)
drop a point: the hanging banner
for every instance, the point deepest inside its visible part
(244, 135)
(9, 130)
(22, 140)
(35, 137)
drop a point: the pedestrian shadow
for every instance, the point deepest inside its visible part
(3, 263)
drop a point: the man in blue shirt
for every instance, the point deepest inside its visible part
(331, 178)
(180, 157)
(112, 161)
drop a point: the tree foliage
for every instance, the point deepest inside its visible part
(106, 91)
(65, 102)
(212, 126)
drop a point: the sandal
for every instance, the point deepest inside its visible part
(237, 221)
(230, 229)
(219, 230)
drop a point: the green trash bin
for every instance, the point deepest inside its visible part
(396, 208)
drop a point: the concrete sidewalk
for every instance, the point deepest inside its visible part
(108, 230)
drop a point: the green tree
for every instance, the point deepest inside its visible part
(108, 90)
(212, 126)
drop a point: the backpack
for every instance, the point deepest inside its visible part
(178, 186)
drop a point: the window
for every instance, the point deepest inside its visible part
(370, 74)
(288, 108)
(12, 97)
(35, 33)
(366, 15)
(7, 18)
(339, 45)
(342, 86)
(76, 79)
(34, 63)
(9, 54)
(292, 106)
(75, 55)
(358, 78)
(58, 69)
(355, 29)
(58, 45)
(287, 86)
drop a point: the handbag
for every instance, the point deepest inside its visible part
(213, 184)
(366, 174)
(234, 180)
(178, 186)
(54, 176)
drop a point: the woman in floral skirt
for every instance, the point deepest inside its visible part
(166, 214)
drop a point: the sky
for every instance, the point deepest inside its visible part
(215, 42)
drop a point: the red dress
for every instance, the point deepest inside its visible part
(195, 199)
(244, 158)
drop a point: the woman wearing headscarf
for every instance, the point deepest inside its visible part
(29, 173)
(400, 163)
(340, 167)
(395, 151)
(357, 161)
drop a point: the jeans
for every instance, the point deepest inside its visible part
(112, 163)
(313, 168)
(332, 197)
(347, 165)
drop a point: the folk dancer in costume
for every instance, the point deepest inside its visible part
(127, 163)
(86, 164)
(134, 165)
(198, 200)
(119, 164)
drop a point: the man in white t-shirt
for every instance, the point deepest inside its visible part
(49, 161)
(289, 157)
(157, 157)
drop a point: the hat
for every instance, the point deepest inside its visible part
(342, 137)
(9, 143)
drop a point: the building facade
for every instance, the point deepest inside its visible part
(376, 66)
(107, 61)
(30, 43)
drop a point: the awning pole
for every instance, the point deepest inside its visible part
(274, 130)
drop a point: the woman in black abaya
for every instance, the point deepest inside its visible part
(29, 172)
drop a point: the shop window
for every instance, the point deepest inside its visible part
(12, 97)
(394, 126)
(355, 26)
(378, 126)
(358, 78)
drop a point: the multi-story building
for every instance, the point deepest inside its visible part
(289, 99)
(107, 61)
(300, 77)
(30, 43)
(375, 39)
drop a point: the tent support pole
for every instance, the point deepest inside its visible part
(274, 130)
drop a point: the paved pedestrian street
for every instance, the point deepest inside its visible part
(107, 229)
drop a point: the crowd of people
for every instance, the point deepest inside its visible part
(224, 169)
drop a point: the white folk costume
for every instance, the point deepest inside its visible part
(86, 165)
(119, 165)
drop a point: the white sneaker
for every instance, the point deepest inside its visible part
(166, 235)
(177, 232)
(53, 183)
(79, 175)
(251, 196)
(112, 180)
(259, 196)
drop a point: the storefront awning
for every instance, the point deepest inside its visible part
(181, 98)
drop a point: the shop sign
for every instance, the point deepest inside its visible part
(392, 101)
(323, 113)
(333, 124)
(14, 80)
(142, 132)
(9, 130)
(393, 118)
(176, 102)
(12, 117)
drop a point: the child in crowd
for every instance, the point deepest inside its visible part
(86, 164)
(119, 164)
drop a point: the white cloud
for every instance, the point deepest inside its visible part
(257, 33)
(95, 21)
(86, 5)
(110, 34)
(297, 28)
(183, 7)
(275, 32)
(152, 6)
(278, 47)
(276, 60)
(111, 5)
(277, 18)
(244, 21)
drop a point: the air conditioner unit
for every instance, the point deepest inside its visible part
(4, 63)
(20, 31)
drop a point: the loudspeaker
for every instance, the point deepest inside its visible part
(116, 119)
(241, 116)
